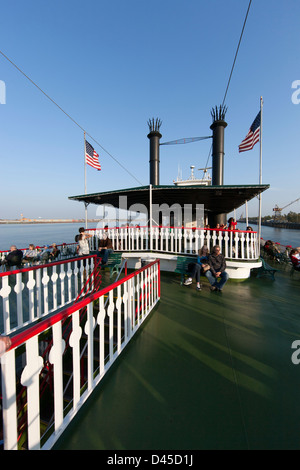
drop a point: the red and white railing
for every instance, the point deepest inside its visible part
(112, 316)
(66, 250)
(31, 293)
(235, 244)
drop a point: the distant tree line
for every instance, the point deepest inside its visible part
(293, 217)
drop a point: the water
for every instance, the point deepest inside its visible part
(280, 235)
(38, 234)
(41, 234)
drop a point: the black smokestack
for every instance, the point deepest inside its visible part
(218, 126)
(154, 136)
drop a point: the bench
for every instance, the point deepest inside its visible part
(182, 266)
(114, 263)
(265, 269)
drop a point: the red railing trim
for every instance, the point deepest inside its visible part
(21, 337)
(39, 266)
(178, 227)
(25, 249)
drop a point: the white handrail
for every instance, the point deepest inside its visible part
(235, 244)
(130, 302)
(31, 293)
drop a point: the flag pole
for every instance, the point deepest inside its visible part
(260, 173)
(85, 204)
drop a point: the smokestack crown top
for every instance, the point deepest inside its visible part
(154, 125)
(218, 116)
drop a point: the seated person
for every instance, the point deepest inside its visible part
(105, 248)
(45, 254)
(199, 267)
(216, 275)
(295, 258)
(55, 252)
(31, 255)
(14, 258)
(271, 249)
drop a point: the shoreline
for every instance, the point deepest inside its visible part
(46, 221)
(285, 225)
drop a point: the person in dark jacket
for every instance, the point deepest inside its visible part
(14, 258)
(216, 275)
(105, 248)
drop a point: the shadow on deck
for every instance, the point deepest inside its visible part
(206, 371)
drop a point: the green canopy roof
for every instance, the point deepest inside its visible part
(216, 199)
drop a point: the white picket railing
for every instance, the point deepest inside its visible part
(108, 325)
(66, 250)
(31, 293)
(235, 244)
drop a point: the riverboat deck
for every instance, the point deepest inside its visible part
(206, 370)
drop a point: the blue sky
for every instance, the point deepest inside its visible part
(113, 65)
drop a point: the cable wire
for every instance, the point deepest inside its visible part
(70, 117)
(237, 50)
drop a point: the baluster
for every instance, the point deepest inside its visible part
(18, 290)
(253, 246)
(219, 238)
(129, 309)
(236, 239)
(242, 241)
(45, 282)
(172, 239)
(55, 358)
(4, 292)
(100, 321)
(30, 380)
(30, 286)
(147, 238)
(62, 276)
(89, 331)
(110, 313)
(146, 291)
(226, 244)
(75, 345)
(125, 302)
(54, 278)
(133, 305)
(39, 292)
(142, 294)
(230, 244)
(118, 307)
(156, 231)
(138, 303)
(9, 401)
(150, 287)
(76, 278)
(202, 238)
(69, 283)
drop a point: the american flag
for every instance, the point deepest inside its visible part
(252, 137)
(91, 157)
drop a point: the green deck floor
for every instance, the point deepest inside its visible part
(206, 371)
